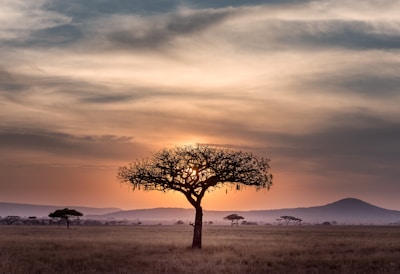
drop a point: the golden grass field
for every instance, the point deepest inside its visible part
(165, 249)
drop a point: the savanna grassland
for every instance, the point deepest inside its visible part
(165, 249)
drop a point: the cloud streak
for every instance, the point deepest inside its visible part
(158, 32)
(107, 147)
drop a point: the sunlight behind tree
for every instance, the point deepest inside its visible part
(194, 170)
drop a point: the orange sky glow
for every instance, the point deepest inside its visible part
(89, 86)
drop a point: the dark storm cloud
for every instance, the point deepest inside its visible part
(106, 147)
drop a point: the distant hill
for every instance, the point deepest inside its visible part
(345, 211)
(26, 210)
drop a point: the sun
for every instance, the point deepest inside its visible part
(192, 141)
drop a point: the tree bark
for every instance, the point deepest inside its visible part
(198, 225)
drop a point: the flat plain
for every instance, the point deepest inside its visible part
(166, 249)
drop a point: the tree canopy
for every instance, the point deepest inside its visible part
(287, 219)
(65, 214)
(193, 170)
(234, 218)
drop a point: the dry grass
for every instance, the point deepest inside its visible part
(165, 249)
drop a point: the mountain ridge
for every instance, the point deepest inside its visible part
(343, 211)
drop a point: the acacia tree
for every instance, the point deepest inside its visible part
(234, 218)
(194, 170)
(65, 214)
(287, 219)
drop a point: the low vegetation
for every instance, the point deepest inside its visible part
(166, 249)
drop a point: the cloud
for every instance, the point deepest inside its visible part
(271, 34)
(108, 98)
(343, 34)
(8, 83)
(83, 10)
(97, 148)
(363, 82)
(18, 18)
(26, 87)
(292, 25)
(49, 37)
(75, 90)
(363, 144)
(358, 142)
(239, 3)
(154, 32)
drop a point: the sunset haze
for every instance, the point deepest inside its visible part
(89, 86)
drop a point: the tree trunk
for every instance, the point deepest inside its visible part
(198, 225)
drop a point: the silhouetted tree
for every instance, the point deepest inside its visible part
(287, 219)
(194, 170)
(65, 214)
(234, 218)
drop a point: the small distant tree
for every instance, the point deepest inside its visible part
(234, 218)
(288, 219)
(65, 214)
(194, 170)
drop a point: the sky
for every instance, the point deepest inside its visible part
(89, 86)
